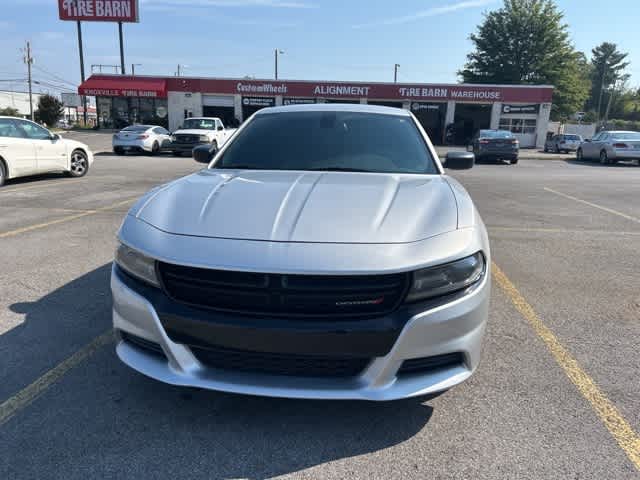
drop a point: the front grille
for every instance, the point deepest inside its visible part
(428, 364)
(284, 295)
(182, 138)
(280, 364)
(142, 343)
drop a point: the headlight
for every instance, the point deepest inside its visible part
(204, 138)
(443, 279)
(137, 264)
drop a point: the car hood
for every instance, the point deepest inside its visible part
(318, 207)
(193, 131)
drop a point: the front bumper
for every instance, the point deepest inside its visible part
(184, 147)
(456, 326)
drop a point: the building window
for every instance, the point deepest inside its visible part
(518, 125)
(119, 112)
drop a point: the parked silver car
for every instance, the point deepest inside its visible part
(609, 146)
(323, 253)
(563, 143)
(141, 138)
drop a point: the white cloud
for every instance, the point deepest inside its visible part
(153, 4)
(429, 12)
(52, 36)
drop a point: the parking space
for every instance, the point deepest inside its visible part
(556, 395)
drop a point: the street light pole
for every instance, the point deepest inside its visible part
(133, 68)
(84, 98)
(276, 52)
(121, 49)
(395, 72)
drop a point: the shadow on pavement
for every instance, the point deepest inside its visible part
(104, 419)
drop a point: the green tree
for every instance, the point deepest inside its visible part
(50, 110)
(607, 69)
(527, 42)
(10, 112)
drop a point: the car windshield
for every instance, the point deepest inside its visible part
(136, 128)
(495, 134)
(572, 137)
(626, 135)
(199, 124)
(341, 141)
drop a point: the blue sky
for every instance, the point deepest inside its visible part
(322, 39)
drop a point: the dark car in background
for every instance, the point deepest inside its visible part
(495, 145)
(563, 143)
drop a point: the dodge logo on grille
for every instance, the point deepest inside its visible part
(350, 303)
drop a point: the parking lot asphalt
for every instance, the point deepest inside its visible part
(556, 396)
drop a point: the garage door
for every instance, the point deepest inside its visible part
(217, 100)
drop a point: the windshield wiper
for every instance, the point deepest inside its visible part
(339, 169)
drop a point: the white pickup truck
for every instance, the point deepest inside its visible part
(196, 131)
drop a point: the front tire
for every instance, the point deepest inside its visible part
(557, 149)
(513, 161)
(79, 164)
(579, 155)
(155, 148)
(3, 174)
(118, 151)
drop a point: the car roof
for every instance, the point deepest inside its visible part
(140, 126)
(335, 107)
(203, 118)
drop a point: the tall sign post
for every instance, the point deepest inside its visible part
(99, 11)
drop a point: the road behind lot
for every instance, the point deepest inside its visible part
(556, 396)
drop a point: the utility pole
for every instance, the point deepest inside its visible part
(133, 68)
(84, 98)
(178, 72)
(395, 72)
(28, 59)
(121, 49)
(276, 53)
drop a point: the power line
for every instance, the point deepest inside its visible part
(54, 76)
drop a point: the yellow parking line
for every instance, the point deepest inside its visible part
(594, 205)
(31, 187)
(68, 218)
(28, 394)
(619, 428)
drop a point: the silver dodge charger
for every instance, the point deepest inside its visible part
(323, 253)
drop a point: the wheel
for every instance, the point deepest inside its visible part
(118, 151)
(176, 154)
(3, 174)
(155, 148)
(79, 164)
(546, 149)
(557, 148)
(604, 158)
(513, 161)
(579, 155)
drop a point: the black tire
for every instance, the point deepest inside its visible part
(546, 149)
(155, 148)
(79, 164)
(557, 148)
(118, 151)
(513, 161)
(3, 173)
(604, 158)
(579, 155)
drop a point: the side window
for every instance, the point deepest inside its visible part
(158, 131)
(8, 129)
(598, 137)
(33, 131)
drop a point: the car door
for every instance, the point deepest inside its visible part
(16, 149)
(51, 153)
(588, 148)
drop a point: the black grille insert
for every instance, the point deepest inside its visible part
(142, 343)
(284, 295)
(426, 364)
(280, 364)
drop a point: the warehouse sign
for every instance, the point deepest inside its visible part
(99, 10)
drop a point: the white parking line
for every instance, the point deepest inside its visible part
(594, 205)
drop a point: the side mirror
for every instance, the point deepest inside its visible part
(459, 160)
(220, 127)
(588, 140)
(203, 153)
(54, 137)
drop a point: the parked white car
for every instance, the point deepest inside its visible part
(141, 138)
(26, 148)
(609, 146)
(199, 131)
